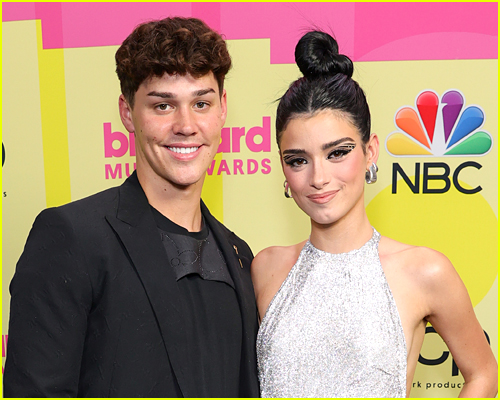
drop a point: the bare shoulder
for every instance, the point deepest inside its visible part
(270, 267)
(428, 266)
(272, 260)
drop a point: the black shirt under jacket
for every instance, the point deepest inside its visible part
(213, 319)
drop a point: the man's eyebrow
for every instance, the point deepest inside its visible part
(163, 95)
(326, 146)
(170, 95)
(203, 92)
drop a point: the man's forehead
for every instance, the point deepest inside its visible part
(182, 82)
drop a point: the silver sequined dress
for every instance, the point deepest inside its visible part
(333, 329)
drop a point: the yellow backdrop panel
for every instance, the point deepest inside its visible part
(64, 140)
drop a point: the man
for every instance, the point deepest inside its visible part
(138, 291)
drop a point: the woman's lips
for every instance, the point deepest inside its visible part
(322, 198)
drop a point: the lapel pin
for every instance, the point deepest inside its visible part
(236, 249)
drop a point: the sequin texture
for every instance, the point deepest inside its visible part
(333, 329)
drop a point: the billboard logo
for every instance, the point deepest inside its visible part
(117, 145)
(124, 143)
(256, 139)
(439, 127)
(234, 140)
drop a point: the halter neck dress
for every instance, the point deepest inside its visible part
(333, 329)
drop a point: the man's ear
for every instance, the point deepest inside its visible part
(372, 150)
(223, 105)
(126, 113)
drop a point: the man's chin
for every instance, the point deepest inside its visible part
(187, 183)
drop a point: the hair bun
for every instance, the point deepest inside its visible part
(317, 54)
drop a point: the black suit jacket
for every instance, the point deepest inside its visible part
(95, 310)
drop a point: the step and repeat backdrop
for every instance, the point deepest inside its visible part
(430, 73)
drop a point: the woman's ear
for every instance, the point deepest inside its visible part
(372, 150)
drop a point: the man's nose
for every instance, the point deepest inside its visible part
(184, 122)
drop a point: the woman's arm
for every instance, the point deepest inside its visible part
(269, 269)
(263, 271)
(452, 316)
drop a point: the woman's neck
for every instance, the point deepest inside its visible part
(348, 233)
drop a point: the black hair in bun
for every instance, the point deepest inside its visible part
(327, 84)
(317, 54)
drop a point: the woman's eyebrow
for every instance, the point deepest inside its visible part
(336, 143)
(294, 151)
(326, 146)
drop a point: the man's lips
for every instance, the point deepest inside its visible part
(322, 198)
(184, 152)
(184, 149)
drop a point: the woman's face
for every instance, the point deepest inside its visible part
(324, 163)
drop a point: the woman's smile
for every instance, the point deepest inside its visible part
(322, 198)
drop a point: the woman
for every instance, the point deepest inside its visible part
(344, 313)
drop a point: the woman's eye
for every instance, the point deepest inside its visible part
(337, 154)
(295, 162)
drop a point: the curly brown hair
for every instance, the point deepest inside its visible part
(174, 46)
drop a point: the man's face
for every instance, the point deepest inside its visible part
(177, 121)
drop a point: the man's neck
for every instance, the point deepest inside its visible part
(181, 205)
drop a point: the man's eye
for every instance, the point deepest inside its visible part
(201, 105)
(162, 107)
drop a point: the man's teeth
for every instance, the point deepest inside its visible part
(183, 150)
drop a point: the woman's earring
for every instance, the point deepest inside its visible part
(371, 174)
(287, 187)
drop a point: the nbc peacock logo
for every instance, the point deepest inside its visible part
(435, 198)
(439, 127)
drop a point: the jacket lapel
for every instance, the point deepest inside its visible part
(136, 228)
(240, 274)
